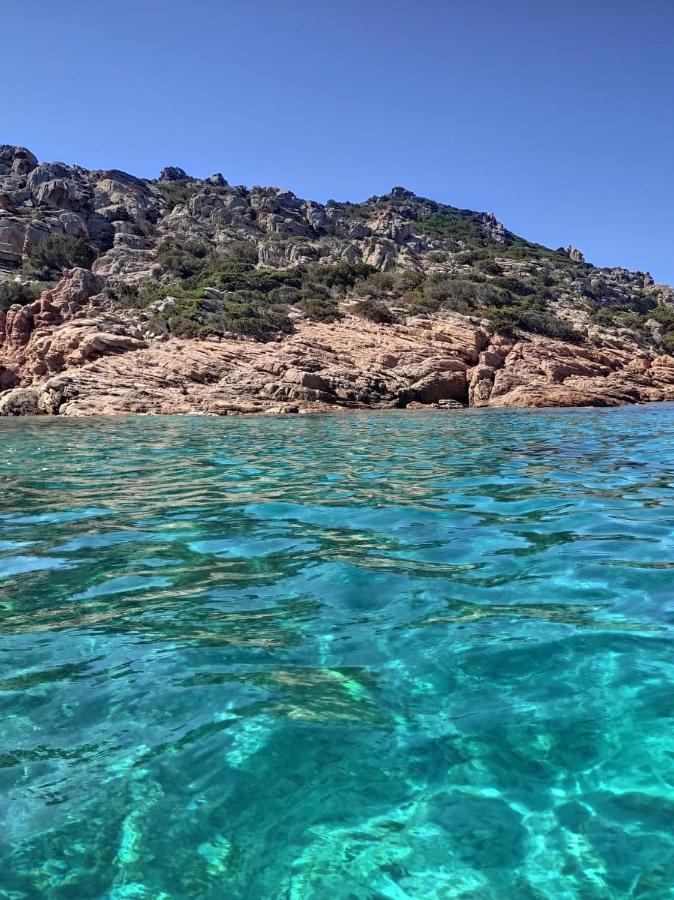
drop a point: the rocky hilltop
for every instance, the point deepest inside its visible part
(176, 295)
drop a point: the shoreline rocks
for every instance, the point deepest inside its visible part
(67, 354)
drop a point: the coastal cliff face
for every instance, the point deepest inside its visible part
(122, 295)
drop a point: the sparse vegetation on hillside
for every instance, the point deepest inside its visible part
(454, 225)
(178, 191)
(512, 320)
(219, 291)
(254, 261)
(51, 256)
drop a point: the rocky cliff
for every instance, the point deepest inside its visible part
(178, 295)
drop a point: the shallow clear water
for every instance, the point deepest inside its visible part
(380, 655)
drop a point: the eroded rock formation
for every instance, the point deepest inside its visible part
(81, 350)
(68, 354)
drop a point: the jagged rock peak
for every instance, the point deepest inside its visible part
(401, 193)
(173, 173)
(495, 230)
(16, 160)
(574, 254)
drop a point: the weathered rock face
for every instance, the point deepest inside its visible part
(57, 332)
(12, 238)
(75, 351)
(172, 173)
(67, 354)
(574, 254)
(16, 160)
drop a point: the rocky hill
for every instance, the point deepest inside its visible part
(120, 294)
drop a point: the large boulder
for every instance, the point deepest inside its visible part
(441, 386)
(127, 264)
(72, 291)
(47, 172)
(19, 402)
(61, 193)
(12, 237)
(172, 173)
(18, 325)
(16, 160)
(380, 253)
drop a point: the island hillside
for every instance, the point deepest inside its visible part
(183, 295)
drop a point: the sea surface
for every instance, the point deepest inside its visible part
(378, 655)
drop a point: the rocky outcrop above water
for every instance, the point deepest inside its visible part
(204, 297)
(68, 354)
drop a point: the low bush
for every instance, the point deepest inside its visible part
(409, 280)
(178, 191)
(320, 310)
(12, 292)
(183, 260)
(285, 294)
(514, 286)
(664, 315)
(604, 316)
(631, 320)
(510, 320)
(668, 342)
(375, 312)
(48, 259)
(340, 275)
(452, 224)
(143, 228)
(489, 267)
(191, 318)
(377, 284)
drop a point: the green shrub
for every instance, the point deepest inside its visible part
(237, 253)
(668, 342)
(603, 315)
(52, 256)
(12, 292)
(467, 257)
(191, 318)
(141, 229)
(149, 291)
(631, 320)
(181, 319)
(409, 280)
(438, 256)
(513, 286)
(377, 283)
(178, 191)
(462, 294)
(338, 275)
(664, 315)
(518, 248)
(444, 290)
(260, 322)
(183, 260)
(287, 294)
(375, 312)
(512, 319)
(452, 224)
(489, 267)
(320, 310)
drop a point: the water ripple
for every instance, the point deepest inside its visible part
(371, 655)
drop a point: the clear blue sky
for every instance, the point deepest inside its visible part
(559, 117)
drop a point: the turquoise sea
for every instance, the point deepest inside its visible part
(378, 655)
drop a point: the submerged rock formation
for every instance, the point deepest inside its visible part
(207, 298)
